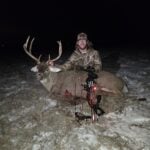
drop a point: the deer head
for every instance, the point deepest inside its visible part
(41, 68)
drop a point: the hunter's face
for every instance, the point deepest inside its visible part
(82, 44)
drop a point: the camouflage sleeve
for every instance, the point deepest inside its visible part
(70, 62)
(97, 61)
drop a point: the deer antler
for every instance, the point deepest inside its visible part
(60, 52)
(29, 52)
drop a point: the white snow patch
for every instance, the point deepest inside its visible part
(129, 125)
(42, 136)
(13, 116)
(49, 104)
(30, 125)
(36, 147)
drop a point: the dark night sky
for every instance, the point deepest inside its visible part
(109, 21)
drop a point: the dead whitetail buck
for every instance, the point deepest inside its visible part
(69, 82)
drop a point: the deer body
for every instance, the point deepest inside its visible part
(71, 81)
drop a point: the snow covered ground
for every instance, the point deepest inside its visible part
(31, 120)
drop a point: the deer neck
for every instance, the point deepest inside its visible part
(49, 80)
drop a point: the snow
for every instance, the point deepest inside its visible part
(30, 119)
(49, 104)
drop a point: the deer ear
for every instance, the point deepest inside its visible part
(34, 69)
(54, 69)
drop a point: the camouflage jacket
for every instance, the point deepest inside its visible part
(78, 59)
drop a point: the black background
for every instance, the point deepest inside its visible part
(108, 23)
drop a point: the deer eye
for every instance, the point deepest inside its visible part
(47, 70)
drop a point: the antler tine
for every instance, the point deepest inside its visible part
(30, 48)
(29, 52)
(27, 41)
(39, 58)
(60, 51)
(49, 57)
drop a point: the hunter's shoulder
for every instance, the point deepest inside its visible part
(92, 50)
